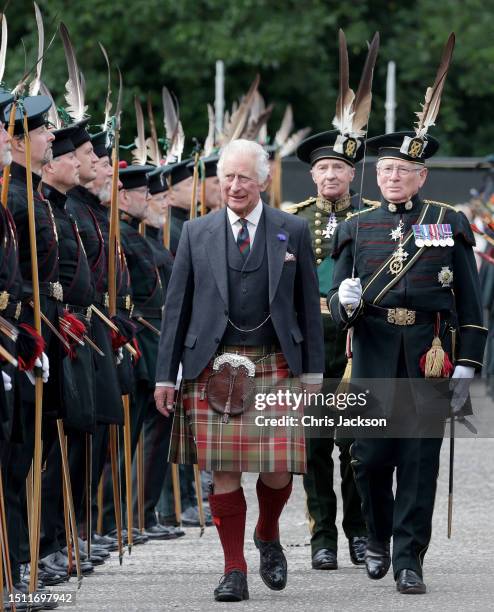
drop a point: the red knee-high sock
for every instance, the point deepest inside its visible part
(271, 502)
(229, 511)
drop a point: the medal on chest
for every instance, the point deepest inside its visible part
(400, 255)
(330, 227)
(435, 235)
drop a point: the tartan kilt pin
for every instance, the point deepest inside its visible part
(199, 434)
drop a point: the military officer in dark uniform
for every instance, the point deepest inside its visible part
(415, 286)
(147, 298)
(179, 180)
(332, 172)
(59, 176)
(208, 173)
(92, 221)
(51, 296)
(10, 304)
(157, 428)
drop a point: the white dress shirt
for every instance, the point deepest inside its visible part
(253, 219)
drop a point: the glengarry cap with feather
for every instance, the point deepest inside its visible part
(173, 174)
(134, 176)
(34, 107)
(418, 146)
(80, 135)
(155, 182)
(351, 117)
(100, 142)
(207, 166)
(322, 146)
(63, 141)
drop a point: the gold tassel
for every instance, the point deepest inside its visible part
(434, 360)
(344, 385)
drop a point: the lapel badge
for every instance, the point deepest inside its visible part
(281, 237)
(445, 276)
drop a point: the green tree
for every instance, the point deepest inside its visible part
(293, 46)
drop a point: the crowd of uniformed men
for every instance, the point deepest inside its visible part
(96, 353)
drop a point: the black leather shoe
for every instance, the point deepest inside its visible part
(232, 587)
(357, 546)
(160, 532)
(106, 542)
(377, 560)
(410, 582)
(50, 578)
(137, 536)
(99, 551)
(273, 567)
(86, 566)
(324, 559)
(53, 565)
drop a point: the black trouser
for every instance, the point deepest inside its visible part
(98, 460)
(17, 469)
(157, 431)
(139, 404)
(408, 516)
(321, 498)
(53, 536)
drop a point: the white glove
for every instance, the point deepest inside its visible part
(460, 385)
(119, 356)
(7, 381)
(43, 363)
(350, 292)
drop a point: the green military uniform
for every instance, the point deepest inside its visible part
(323, 216)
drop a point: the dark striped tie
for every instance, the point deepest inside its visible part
(243, 239)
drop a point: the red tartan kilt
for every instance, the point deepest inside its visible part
(200, 436)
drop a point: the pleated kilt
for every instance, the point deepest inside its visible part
(200, 436)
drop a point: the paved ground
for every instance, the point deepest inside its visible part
(182, 574)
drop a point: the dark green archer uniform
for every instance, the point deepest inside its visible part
(323, 217)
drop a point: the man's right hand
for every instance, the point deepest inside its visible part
(164, 396)
(350, 292)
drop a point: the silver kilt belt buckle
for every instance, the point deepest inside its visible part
(231, 386)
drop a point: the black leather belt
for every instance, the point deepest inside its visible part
(101, 299)
(123, 301)
(402, 316)
(9, 308)
(83, 311)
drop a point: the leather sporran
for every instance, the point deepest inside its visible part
(231, 387)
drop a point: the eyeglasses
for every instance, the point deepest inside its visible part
(401, 171)
(241, 179)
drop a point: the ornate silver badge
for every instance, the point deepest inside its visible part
(445, 276)
(331, 226)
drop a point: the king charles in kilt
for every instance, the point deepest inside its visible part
(243, 289)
